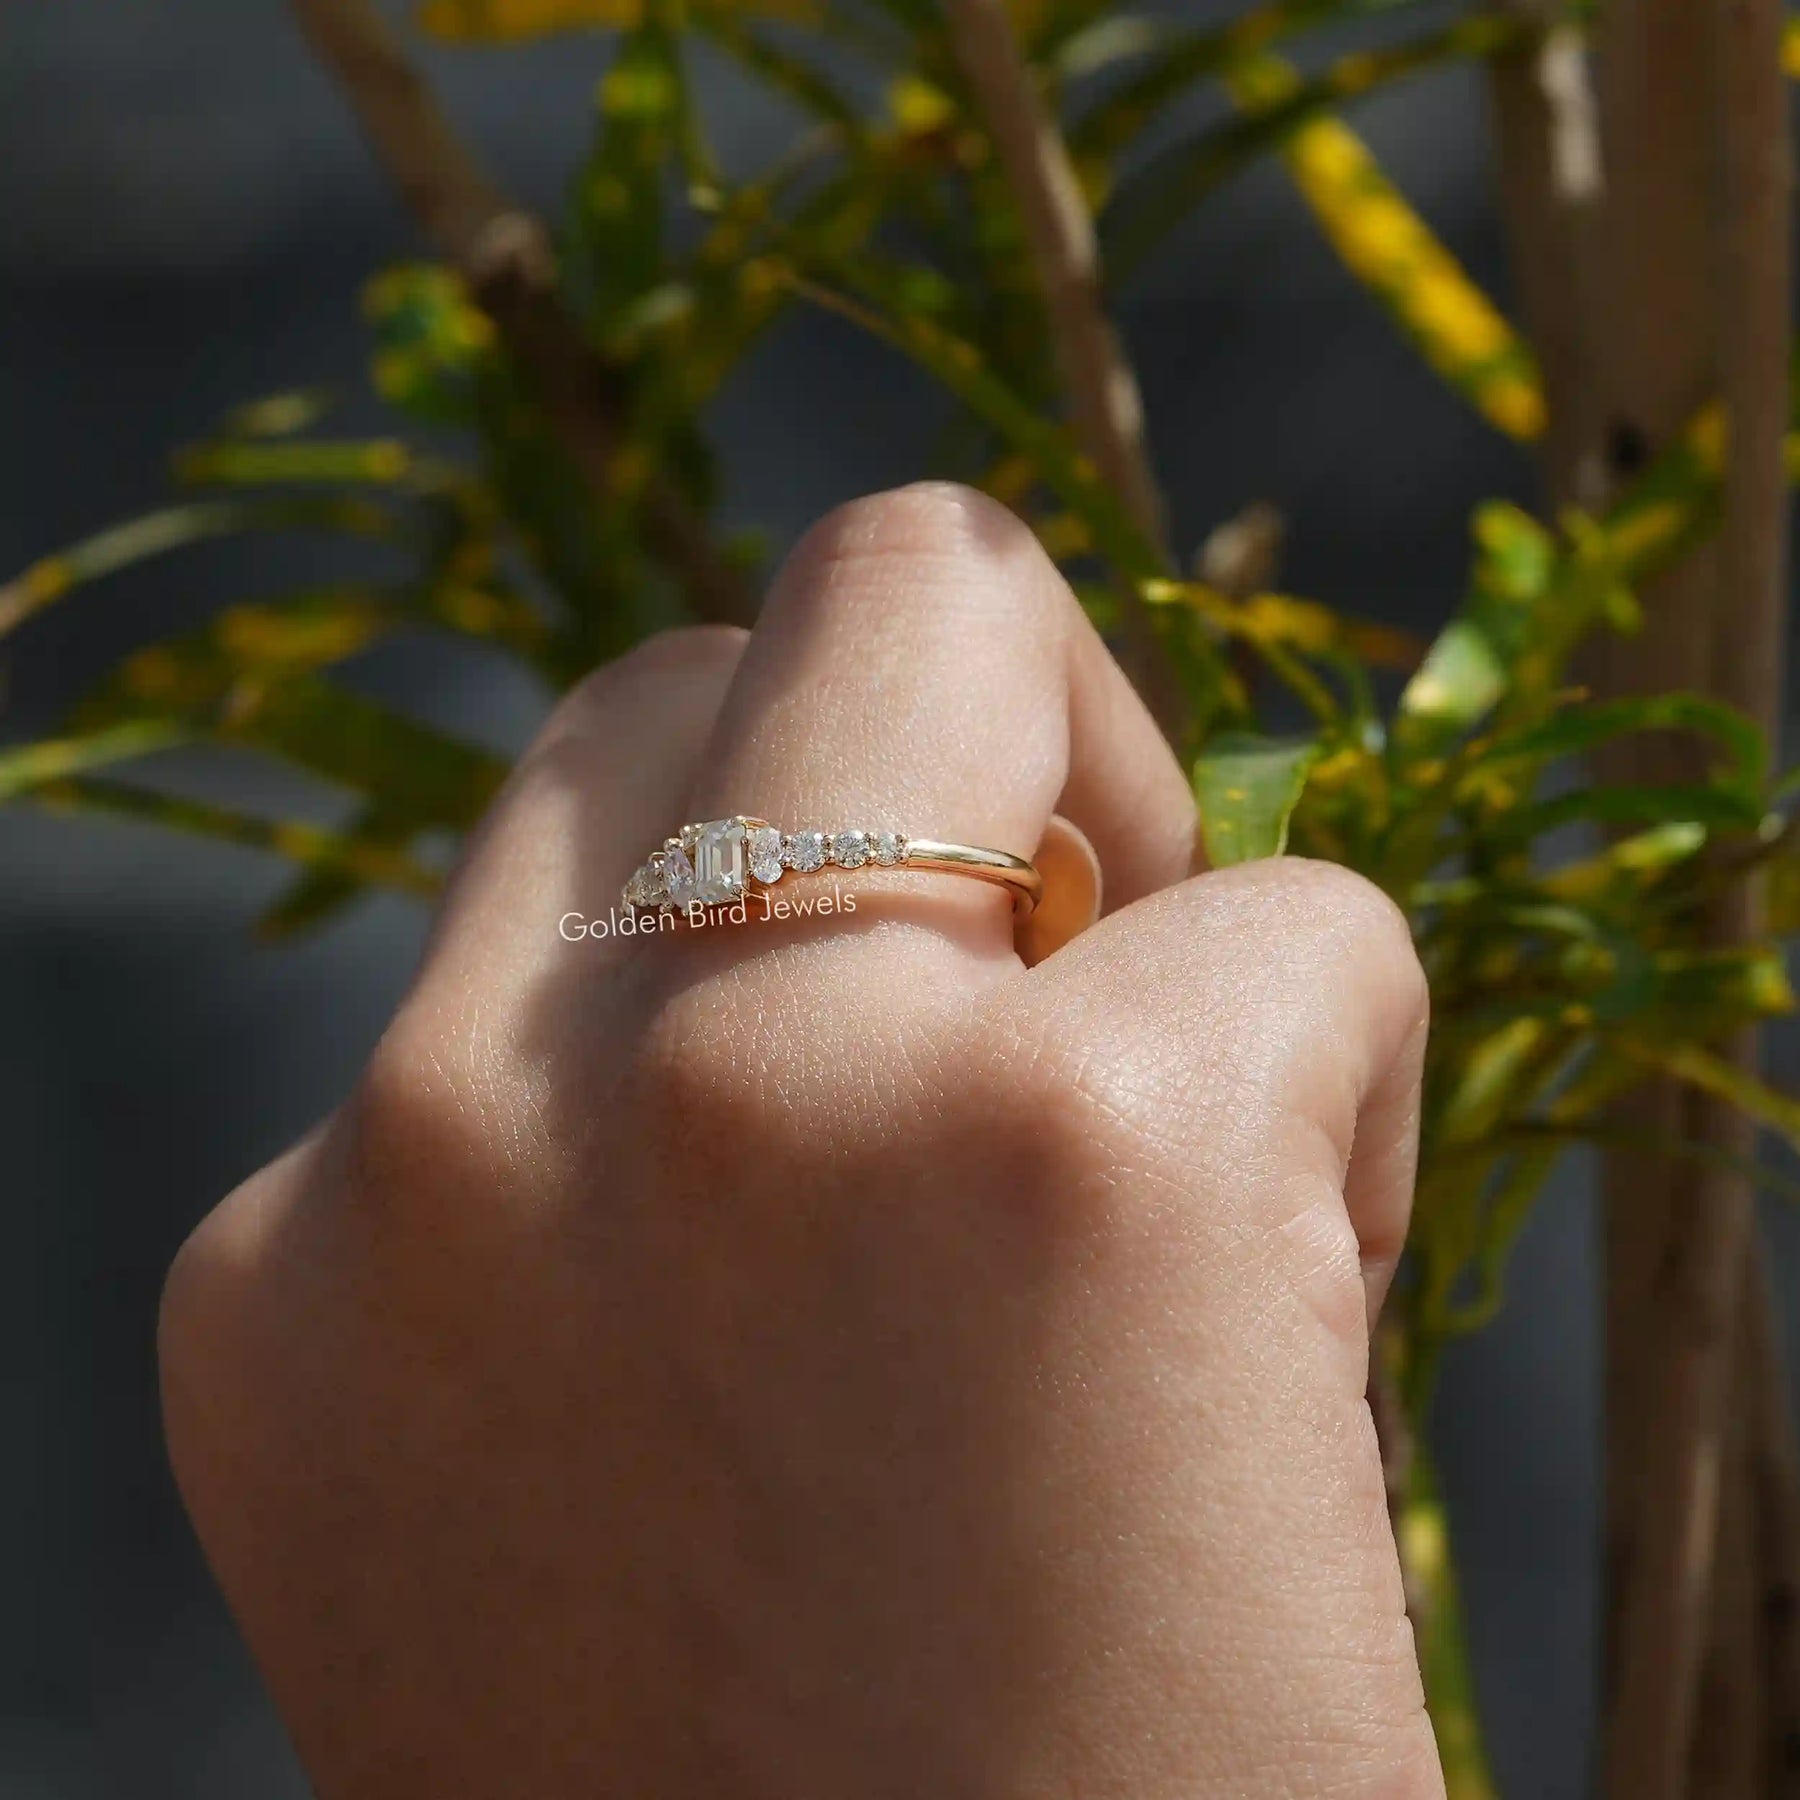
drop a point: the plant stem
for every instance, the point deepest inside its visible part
(506, 256)
(1105, 405)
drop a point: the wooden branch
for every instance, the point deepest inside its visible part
(1547, 133)
(1667, 1610)
(1612, 245)
(1775, 1485)
(505, 255)
(1654, 366)
(1105, 405)
(1729, 1756)
(1749, 669)
(1600, 213)
(1103, 392)
(1750, 636)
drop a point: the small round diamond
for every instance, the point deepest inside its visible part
(887, 848)
(850, 849)
(805, 851)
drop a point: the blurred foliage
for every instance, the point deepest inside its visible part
(1562, 924)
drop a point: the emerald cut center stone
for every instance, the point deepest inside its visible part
(719, 862)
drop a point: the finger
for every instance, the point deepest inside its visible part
(921, 666)
(1245, 1052)
(1292, 988)
(611, 765)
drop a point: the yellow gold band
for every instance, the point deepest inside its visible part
(721, 861)
(1013, 873)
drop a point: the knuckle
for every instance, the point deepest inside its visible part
(1084, 1147)
(1326, 901)
(418, 1123)
(755, 1084)
(923, 527)
(198, 1282)
(679, 647)
(688, 651)
(1309, 932)
(921, 516)
(214, 1314)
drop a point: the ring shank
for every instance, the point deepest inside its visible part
(1013, 873)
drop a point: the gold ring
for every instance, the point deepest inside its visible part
(715, 864)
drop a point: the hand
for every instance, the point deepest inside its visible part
(825, 1360)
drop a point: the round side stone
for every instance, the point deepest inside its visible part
(805, 851)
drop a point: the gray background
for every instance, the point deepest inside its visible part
(185, 217)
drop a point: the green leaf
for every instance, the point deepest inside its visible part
(1703, 1069)
(259, 690)
(1458, 684)
(325, 887)
(422, 774)
(174, 527)
(519, 21)
(616, 248)
(1173, 62)
(434, 347)
(1530, 603)
(1632, 865)
(1492, 1079)
(378, 462)
(1612, 976)
(790, 74)
(221, 668)
(1720, 808)
(311, 846)
(1247, 788)
(1707, 991)
(27, 767)
(279, 415)
(1582, 727)
(1746, 1168)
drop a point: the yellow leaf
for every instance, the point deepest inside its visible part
(1388, 247)
(639, 90)
(267, 636)
(1064, 536)
(919, 107)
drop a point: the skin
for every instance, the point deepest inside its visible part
(827, 1358)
